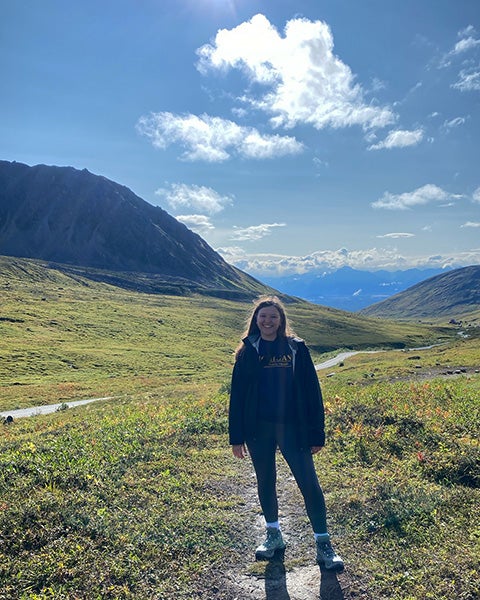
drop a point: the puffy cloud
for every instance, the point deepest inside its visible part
(470, 224)
(304, 81)
(213, 139)
(465, 44)
(399, 138)
(198, 223)
(423, 195)
(232, 254)
(254, 232)
(199, 197)
(476, 195)
(396, 236)
(330, 260)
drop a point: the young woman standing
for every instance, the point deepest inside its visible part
(276, 402)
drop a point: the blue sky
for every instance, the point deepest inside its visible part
(291, 135)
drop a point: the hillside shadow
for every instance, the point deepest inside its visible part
(276, 587)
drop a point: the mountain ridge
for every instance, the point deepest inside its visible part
(451, 294)
(78, 220)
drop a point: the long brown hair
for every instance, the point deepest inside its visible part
(284, 329)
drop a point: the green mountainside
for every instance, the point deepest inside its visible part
(453, 295)
(138, 495)
(85, 338)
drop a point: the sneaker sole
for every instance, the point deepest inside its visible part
(279, 552)
(337, 568)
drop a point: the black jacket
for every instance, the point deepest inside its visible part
(309, 420)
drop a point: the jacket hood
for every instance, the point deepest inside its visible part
(254, 340)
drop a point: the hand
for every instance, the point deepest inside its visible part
(239, 450)
(315, 449)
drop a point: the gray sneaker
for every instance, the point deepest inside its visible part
(273, 542)
(327, 557)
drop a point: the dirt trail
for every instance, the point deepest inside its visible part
(295, 576)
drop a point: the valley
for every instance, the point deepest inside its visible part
(138, 496)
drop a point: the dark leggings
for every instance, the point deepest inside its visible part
(262, 450)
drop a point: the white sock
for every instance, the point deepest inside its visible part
(274, 525)
(323, 537)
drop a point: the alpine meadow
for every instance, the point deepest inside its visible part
(138, 496)
(176, 175)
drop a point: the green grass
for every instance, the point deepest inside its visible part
(65, 337)
(392, 365)
(139, 497)
(407, 456)
(114, 501)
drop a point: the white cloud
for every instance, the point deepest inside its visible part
(199, 197)
(304, 81)
(396, 236)
(240, 113)
(476, 195)
(469, 30)
(454, 122)
(254, 232)
(399, 138)
(330, 260)
(424, 195)
(231, 253)
(319, 163)
(198, 223)
(378, 85)
(470, 224)
(213, 139)
(468, 80)
(465, 45)
(469, 76)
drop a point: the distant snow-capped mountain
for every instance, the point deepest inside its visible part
(347, 288)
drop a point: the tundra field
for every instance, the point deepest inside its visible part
(138, 497)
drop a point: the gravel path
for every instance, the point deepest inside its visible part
(294, 576)
(46, 409)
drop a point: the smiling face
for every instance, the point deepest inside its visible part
(268, 322)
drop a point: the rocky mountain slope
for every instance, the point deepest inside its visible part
(93, 225)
